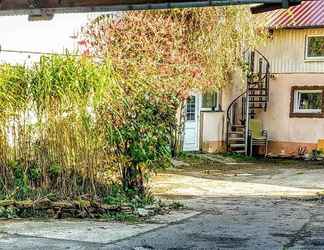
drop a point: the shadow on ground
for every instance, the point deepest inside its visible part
(244, 206)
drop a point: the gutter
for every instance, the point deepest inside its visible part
(297, 27)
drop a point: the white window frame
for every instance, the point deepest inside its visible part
(312, 58)
(217, 102)
(297, 100)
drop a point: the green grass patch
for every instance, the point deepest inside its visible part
(238, 157)
(176, 205)
(122, 217)
(192, 159)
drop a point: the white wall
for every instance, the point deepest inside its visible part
(286, 51)
(212, 126)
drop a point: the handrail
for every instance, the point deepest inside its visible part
(228, 118)
(232, 103)
(267, 61)
(264, 73)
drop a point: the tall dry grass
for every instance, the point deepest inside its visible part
(49, 139)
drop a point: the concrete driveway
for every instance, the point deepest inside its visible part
(241, 180)
(249, 206)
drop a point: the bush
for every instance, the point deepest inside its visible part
(75, 128)
(141, 138)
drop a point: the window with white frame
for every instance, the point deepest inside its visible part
(307, 101)
(315, 47)
(191, 109)
(210, 101)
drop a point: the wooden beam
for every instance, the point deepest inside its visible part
(39, 7)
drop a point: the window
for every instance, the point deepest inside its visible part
(307, 101)
(191, 108)
(210, 101)
(315, 47)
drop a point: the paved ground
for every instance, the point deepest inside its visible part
(237, 207)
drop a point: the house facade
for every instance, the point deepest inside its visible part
(292, 112)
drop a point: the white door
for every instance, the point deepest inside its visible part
(191, 127)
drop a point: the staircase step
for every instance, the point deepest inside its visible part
(239, 151)
(236, 132)
(257, 89)
(254, 83)
(237, 145)
(238, 126)
(257, 95)
(255, 104)
(257, 107)
(236, 139)
(258, 101)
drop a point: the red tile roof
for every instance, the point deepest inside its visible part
(307, 14)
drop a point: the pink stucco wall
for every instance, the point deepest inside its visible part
(285, 132)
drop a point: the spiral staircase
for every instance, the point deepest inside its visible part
(248, 104)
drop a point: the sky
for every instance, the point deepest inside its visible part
(17, 33)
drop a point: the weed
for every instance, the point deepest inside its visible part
(239, 157)
(192, 158)
(121, 217)
(176, 205)
(9, 212)
(54, 170)
(34, 172)
(118, 196)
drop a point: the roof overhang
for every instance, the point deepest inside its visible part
(51, 7)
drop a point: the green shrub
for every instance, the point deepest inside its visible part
(54, 170)
(34, 172)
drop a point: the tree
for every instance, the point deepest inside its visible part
(164, 54)
(174, 49)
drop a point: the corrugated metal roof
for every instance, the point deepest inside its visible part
(307, 14)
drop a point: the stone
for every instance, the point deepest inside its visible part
(62, 204)
(42, 203)
(150, 207)
(82, 214)
(91, 210)
(142, 212)
(50, 213)
(72, 211)
(58, 214)
(110, 207)
(126, 209)
(177, 163)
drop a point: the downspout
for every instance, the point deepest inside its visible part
(247, 122)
